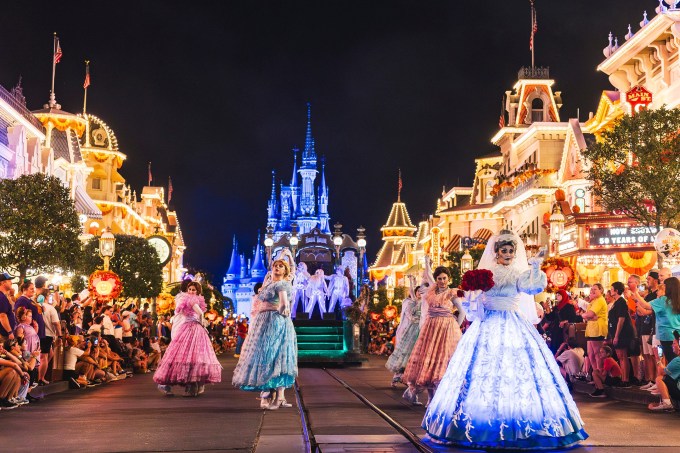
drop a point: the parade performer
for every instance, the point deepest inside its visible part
(190, 358)
(317, 290)
(407, 334)
(268, 361)
(338, 289)
(437, 340)
(503, 388)
(300, 285)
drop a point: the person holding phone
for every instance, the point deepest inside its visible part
(668, 380)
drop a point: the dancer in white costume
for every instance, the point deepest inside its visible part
(316, 292)
(502, 388)
(299, 286)
(338, 289)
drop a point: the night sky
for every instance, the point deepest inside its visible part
(214, 93)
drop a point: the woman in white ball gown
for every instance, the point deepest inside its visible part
(502, 388)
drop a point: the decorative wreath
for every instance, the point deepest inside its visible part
(105, 285)
(165, 303)
(560, 274)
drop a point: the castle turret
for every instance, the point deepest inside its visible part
(272, 210)
(308, 171)
(258, 271)
(324, 218)
(231, 279)
(294, 186)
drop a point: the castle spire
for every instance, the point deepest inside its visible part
(309, 154)
(294, 180)
(235, 264)
(324, 187)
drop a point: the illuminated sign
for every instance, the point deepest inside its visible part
(639, 98)
(620, 236)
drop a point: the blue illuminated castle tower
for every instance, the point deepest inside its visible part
(301, 201)
(242, 276)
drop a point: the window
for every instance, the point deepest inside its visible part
(580, 199)
(3, 168)
(96, 183)
(536, 110)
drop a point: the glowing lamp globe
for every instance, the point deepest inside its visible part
(268, 242)
(337, 241)
(293, 241)
(107, 244)
(362, 243)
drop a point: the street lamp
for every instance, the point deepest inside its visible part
(293, 238)
(390, 294)
(107, 247)
(466, 262)
(556, 227)
(337, 240)
(361, 242)
(268, 243)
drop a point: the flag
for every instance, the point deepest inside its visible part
(169, 189)
(57, 53)
(87, 75)
(150, 176)
(534, 26)
(501, 119)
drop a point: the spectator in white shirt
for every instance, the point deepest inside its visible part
(570, 359)
(53, 330)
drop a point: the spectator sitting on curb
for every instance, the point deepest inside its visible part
(11, 351)
(570, 359)
(668, 381)
(609, 375)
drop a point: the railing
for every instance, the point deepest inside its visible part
(20, 108)
(528, 72)
(512, 192)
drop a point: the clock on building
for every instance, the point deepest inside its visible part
(162, 247)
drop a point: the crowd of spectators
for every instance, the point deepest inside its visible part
(45, 336)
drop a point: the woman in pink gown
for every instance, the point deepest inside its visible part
(190, 359)
(438, 338)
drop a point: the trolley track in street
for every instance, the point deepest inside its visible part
(311, 443)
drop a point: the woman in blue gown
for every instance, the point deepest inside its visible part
(502, 388)
(268, 361)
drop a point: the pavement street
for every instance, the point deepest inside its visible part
(132, 416)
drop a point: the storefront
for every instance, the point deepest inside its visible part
(606, 248)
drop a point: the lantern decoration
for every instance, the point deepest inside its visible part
(375, 316)
(165, 303)
(390, 312)
(560, 274)
(560, 195)
(575, 209)
(104, 285)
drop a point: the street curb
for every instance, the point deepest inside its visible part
(630, 395)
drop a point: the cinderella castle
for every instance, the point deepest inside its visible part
(301, 204)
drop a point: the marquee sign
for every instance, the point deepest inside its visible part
(620, 236)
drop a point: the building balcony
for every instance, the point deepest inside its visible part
(519, 183)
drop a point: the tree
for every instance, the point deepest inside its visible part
(635, 167)
(220, 302)
(39, 225)
(135, 261)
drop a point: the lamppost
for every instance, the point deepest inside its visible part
(390, 294)
(293, 238)
(268, 243)
(557, 220)
(107, 247)
(337, 240)
(466, 262)
(361, 242)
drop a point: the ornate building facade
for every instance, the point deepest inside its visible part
(540, 170)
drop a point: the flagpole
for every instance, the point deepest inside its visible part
(86, 84)
(53, 100)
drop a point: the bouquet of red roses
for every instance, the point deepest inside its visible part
(477, 279)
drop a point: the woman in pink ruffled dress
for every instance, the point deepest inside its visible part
(190, 358)
(437, 341)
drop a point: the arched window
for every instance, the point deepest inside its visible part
(536, 110)
(580, 199)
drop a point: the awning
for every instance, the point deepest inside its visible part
(453, 245)
(483, 234)
(85, 205)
